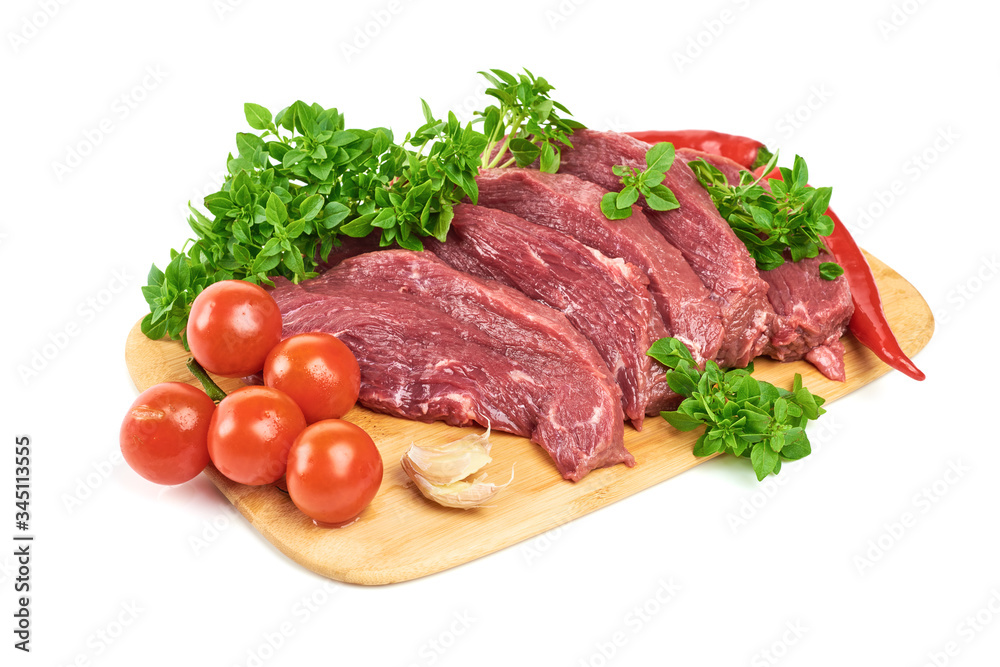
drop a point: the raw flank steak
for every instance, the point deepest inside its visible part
(812, 313)
(435, 344)
(704, 238)
(605, 299)
(572, 206)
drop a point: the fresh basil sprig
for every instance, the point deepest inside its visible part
(303, 179)
(647, 182)
(526, 126)
(418, 198)
(301, 182)
(792, 216)
(285, 195)
(742, 415)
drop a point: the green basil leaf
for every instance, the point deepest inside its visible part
(277, 214)
(830, 270)
(610, 210)
(258, 117)
(660, 157)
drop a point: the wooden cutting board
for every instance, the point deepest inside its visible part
(403, 536)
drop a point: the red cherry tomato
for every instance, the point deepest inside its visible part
(316, 370)
(334, 471)
(165, 433)
(251, 433)
(232, 326)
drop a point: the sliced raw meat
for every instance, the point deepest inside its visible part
(717, 256)
(572, 206)
(605, 299)
(812, 313)
(437, 344)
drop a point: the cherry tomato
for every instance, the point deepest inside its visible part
(316, 370)
(251, 432)
(165, 433)
(232, 326)
(334, 471)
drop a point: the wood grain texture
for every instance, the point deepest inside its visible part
(403, 536)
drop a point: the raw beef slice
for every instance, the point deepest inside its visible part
(704, 238)
(437, 344)
(605, 299)
(572, 206)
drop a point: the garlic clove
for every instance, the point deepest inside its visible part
(442, 473)
(453, 461)
(460, 494)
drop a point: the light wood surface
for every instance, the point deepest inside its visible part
(403, 536)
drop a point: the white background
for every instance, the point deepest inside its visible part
(816, 571)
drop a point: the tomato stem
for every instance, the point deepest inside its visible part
(208, 384)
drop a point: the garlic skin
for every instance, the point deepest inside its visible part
(441, 472)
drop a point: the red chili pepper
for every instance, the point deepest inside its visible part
(738, 149)
(868, 324)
